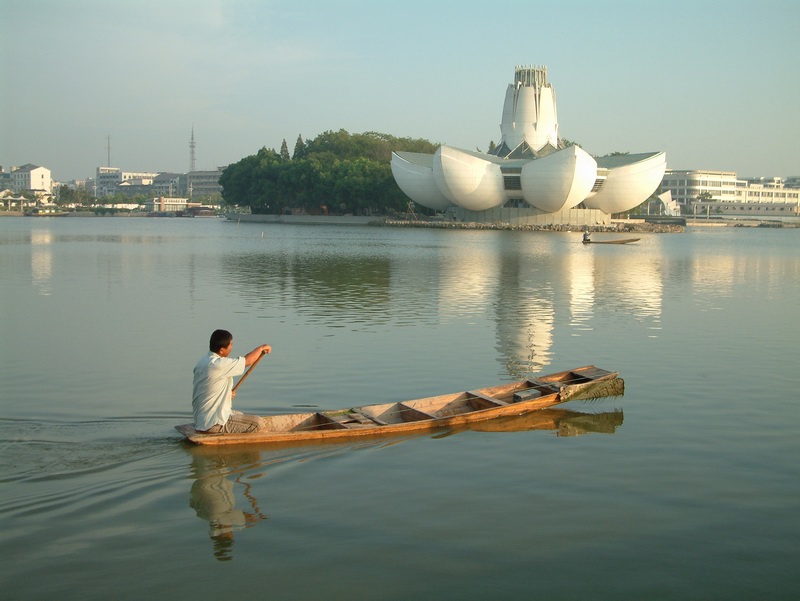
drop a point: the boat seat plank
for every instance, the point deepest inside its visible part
(553, 386)
(490, 401)
(370, 419)
(592, 372)
(411, 414)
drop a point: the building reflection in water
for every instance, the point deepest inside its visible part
(218, 474)
(524, 316)
(528, 286)
(467, 279)
(42, 260)
(581, 291)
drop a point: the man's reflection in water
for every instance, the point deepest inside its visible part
(213, 496)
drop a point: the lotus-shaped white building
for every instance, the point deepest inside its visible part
(530, 168)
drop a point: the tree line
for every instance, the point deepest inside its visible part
(336, 172)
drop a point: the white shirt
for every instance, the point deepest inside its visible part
(213, 382)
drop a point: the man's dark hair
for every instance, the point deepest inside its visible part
(219, 340)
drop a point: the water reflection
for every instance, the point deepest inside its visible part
(217, 475)
(222, 491)
(532, 288)
(524, 316)
(565, 422)
(529, 287)
(42, 261)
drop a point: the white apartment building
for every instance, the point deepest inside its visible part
(687, 186)
(31, 177)
(721, 192)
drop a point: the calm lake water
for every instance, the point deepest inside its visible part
(688, 487)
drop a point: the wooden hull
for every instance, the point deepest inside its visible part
(623, 241)
(443, 411)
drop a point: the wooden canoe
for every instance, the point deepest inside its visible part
(448, 410)
(621, 241)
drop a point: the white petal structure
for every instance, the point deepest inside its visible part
(630, 180)
(560, 180)
(529, 164)
(468, 180)
(413, 172)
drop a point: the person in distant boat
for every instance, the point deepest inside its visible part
(212, 394)
(587, 236)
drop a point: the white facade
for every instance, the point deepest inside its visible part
(166, 205)
(687, 186)
(530, 167)
(529, 119)
(31, 177)
(762, 190)
(722, 193)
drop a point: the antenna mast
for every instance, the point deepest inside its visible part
(108, 149)
(191, 152)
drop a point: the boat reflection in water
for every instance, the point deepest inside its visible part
(565, 422)
(221, 475)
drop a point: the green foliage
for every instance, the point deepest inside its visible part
(65, 195)
(337, 172)
(285, 150)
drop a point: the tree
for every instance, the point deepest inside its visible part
(299, 148)
(285, 151)
(345, 172)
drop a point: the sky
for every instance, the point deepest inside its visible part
(712, 83)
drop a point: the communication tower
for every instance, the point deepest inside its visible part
(191, 151)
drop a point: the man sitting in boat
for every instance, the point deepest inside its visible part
(212, 395)
(587, 237)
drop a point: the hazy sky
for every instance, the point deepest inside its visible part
(715, 84)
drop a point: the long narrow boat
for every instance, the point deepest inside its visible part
(514, 398)
(620, 241)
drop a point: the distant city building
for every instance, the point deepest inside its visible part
(5, 179)
(109, 179)
(195, 184)
(163, 204)
(530, 169)
(203, 184)
(31, 178)
(167, 184)
(721, 192)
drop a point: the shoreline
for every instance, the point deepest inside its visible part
(616, 226)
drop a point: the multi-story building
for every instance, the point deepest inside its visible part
(721, 192)
(167, 184)
(203, 184)
(5, 179)
(109, 178)
(31, 177)
(688, 187)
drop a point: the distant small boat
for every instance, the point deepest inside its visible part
(45, 213)
(448, 410)
(621, 241)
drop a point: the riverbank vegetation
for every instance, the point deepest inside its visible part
(335, 173)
